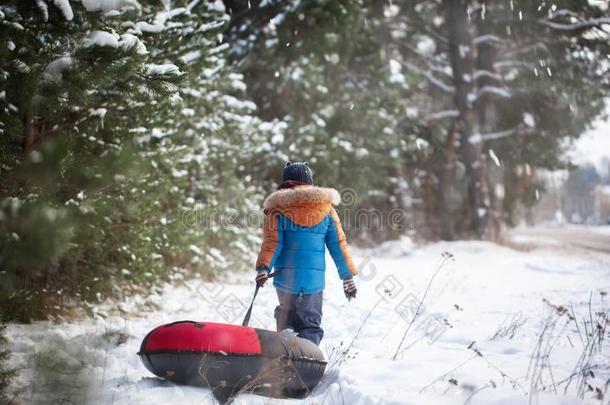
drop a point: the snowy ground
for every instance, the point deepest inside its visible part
(603, 230)
(510, 303)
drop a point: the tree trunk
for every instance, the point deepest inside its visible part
(487, 115)
(445, 204)
(461, 54)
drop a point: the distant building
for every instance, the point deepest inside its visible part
(602, 204)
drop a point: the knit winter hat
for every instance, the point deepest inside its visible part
(299, 172)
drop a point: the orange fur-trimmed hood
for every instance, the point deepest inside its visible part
(304, 205)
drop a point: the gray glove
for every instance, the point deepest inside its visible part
(349, 288)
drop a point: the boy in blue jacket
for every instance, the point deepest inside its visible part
(300, 222)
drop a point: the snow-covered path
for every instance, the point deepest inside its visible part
(509, 303)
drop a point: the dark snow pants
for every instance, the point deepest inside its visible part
(302, 313)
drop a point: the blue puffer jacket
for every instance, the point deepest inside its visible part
(300, 223)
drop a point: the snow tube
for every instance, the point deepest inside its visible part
(229, 359)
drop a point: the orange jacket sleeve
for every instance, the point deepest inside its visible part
(337, 246)
(272, 242)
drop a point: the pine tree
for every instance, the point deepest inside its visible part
(491, 91)
(59, 71)
(521, 81)
(203, 150)
(64, 67)
(327, 77)
(137, 170)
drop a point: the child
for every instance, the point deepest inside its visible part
(300, 222)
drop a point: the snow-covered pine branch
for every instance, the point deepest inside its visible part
(111, 7)
(442, 115)
(486, 39)
(439, 83)
(579, 26)
(478, 74)
(431, 62)
(444, 70)
(498, 91)
(575, 24)
(479, 138)
(63, 6)
(491, 90)
(430, 77)
(499, 135)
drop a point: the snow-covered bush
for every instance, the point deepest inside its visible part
(65, 67)
(119, 125)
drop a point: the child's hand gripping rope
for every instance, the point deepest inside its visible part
(261, 277)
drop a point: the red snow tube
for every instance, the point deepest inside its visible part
(230, 359)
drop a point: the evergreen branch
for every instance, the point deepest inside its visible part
(576, 27)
